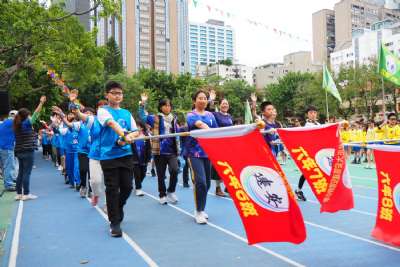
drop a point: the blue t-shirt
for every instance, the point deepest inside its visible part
(7, 136)
(223, 120)
(71, 137)
(45, 140)
(271, 137)
(83, 137)
(141, 150)
(94, 128)
(55, 141)
(109, 149)
(193, 149)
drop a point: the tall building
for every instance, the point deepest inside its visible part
(232, 72)
(323, 23)
(210, 42)
(349, 17)
(78, 6)
(151, 34)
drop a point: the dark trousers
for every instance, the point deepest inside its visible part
(301, 181)
(83, 168)
(185, 172)
(139, 171)
(58, 156)
(25, 160)
(118, 175)
(162, 161)
(201, 170)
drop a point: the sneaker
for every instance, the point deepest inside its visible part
(60, 168)
(115, 230)
(172, 198)
(18, 197)
(300, 195)
(139, 193)
(82, 192)
(218, 192)
(95, 200)
(29, 197)
(205, 215)
(199, 218)
(153, 173)
(163, 200)
(77, 187)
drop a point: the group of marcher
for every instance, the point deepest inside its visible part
(101, 152)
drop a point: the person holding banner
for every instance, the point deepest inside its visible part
(164, 150)
(312, 115)
(199, 163)
(224, 119)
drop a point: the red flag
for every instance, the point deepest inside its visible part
(315, 150)
(387, 226)
(256, 182)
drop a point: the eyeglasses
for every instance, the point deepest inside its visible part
(393, 119)
(116, 93)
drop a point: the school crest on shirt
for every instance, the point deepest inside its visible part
(123, 124)
(265, 187)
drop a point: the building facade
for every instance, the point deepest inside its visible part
(151, 34)
(349, 17)
(210, 42)
(233, 72)
(294, 62)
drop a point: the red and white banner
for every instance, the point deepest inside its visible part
(319, 154)
(256, 183)
(387, 227)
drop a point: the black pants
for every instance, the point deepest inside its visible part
(139, 171)
(46, 150)
(83, 168)
(185, 172)
(118, 175)
(162, 161)
(301, 181)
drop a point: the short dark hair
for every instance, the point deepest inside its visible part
(111, 85)
(311, 108)
(392, 114)
(163, 102)
(265, 104)
(89, 109)
(194, 96)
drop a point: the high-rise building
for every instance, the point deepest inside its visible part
(210, 42)
(77, 6)
(151, 34)
(349, 17)
(323, 23)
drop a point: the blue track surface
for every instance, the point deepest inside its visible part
(61, 229)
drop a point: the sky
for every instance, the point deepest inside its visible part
(254, 44)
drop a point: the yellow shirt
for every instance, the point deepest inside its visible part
(379, 133)
(391, 132)
(345, 135)
(356, 135)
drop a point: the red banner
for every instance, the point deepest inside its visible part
(257, 185)
(319, 154)
(387, 227)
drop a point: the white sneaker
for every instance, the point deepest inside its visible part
(60, 168)
(199, 218)
(139, 193)
(205, 215)
(172, 198)
(82, 192)
(29, 197)
(18, 197)
(163, 200)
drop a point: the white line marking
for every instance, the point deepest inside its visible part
(132, 243)
(15, 241)
(338, 231)
(281, 257)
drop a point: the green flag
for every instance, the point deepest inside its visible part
(248, 118)
(329, 85)
(389, 66)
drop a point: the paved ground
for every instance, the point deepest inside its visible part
(61, 229)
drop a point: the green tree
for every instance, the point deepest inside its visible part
(112, 58)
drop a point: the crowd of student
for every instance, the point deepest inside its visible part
(100, 152)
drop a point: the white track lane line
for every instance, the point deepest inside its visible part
(341, 232)
(268, 251)
(131, 243)
(15, 241)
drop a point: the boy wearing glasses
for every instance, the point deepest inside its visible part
(117, 133)
(391, 130)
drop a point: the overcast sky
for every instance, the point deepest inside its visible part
(255, 45)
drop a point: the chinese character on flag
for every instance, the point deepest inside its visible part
(387, 226)
(256, 183)
(319, 154)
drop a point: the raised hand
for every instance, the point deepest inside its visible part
(213, 95)
(253, 97)
(43, 99)
(144, 97)
(58, 111)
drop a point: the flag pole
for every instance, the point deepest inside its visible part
(383, 96)
(326, 100)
